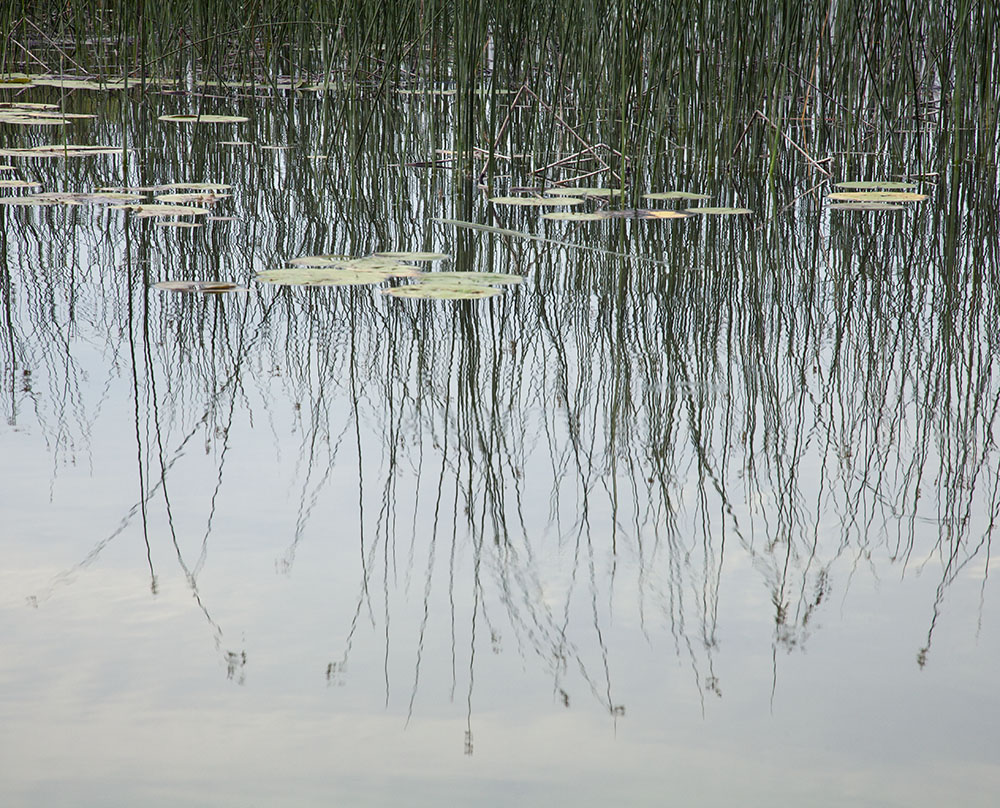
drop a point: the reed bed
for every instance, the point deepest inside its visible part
(640, 77)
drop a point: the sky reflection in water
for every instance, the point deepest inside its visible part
(710, 532)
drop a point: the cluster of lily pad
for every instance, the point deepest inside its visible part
(27, 114)
(169, 200)
(874, 195)
(565, 197)
(342, 270)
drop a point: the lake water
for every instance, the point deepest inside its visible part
(700, 513)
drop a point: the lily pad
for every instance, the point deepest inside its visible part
(433, 291)
(470, 278)
(866, 206)
(675, 195)
(179, 224)
(28, 199)
(574, 216)
(579, 191)
(414, 256)
(869, 185)
(369, 264)
(59, 150)
(28, 118)
(538, 201)
(203, 118)
(213, 187)
(322, 276)
(319, 260)
(205, 197)
(644, 214)
(876, 196)
(19, 184)
(201, 287)
(710, 211)
(163, 210)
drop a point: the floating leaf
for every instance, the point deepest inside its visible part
(203, 118)
(643, 214)
(26, 105)
(213, 187)
(64, 198)
(866, 206)
(709, 211)
(60, 151)
(163, 210)
(26, 118)
(27, 199)
(205, 197)
(414, 256)
(874, 184)
(466, 278)
(19, 184)
(319, 260)
(322, 276)
(579, 191)
(442, 291)
(877, 196)
(574, 216)
(201, 287)
(180, 225)
(675, 195)
(537, 201)
(371, 263)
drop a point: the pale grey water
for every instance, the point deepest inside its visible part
(525, 551)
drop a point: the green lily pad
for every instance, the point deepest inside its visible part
(414, 256)
(205, 197)
(644, 214)
(432, 291)
(26, 105)
(471, 278)
(203, 118)
(876, 184)
(322, 276)
(579, 191)
(59, 150)
(710, 211)
(866, 206)
(876, 196)
(163, 210)
(319, 260)
(574, 216)
(370, 263)
(675, 195)
(28, 118)
(537, 201)
(208, 187)
(28, 199)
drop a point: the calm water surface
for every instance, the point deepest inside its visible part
(709, 529)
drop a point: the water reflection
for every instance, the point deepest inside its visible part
(780, 404)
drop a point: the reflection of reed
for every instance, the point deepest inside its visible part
(791, 393)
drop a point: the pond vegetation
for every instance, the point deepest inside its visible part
(420, 246)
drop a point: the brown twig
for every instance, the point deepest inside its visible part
(55, 47)
(794, 145)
